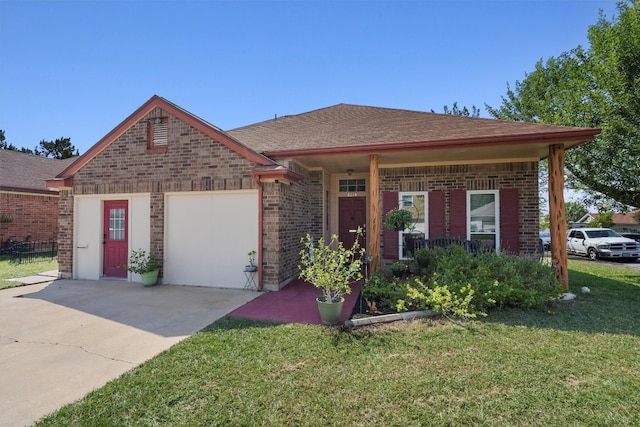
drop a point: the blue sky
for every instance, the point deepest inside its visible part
(78, 68)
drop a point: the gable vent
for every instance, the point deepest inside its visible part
(160, 134)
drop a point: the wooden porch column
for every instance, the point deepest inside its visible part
(557, 219)
(374, 214)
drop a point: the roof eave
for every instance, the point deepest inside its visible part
(277, 174)
(58, 184)
(571, 138)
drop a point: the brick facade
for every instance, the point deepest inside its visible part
(288, 214)
(191, 161)
(25, 215)
(522, 176)
(194, 161)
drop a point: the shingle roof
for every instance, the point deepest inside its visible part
(26, 172)
(628, 218)
(347, 125)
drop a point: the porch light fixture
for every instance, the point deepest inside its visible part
(349, 172)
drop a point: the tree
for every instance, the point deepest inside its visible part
(575, 211)
(4, 145)
(61, 148)
(603, 219)
(455, 111)
(596, 87)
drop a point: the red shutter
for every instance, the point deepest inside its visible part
(509, 221)
(389, 237)
(458, 214)
(437, 221)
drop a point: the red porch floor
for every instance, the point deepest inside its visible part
(295, 303)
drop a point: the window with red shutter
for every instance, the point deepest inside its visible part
(509, 221)
(458, 214)
(389, 237)
(437, 222)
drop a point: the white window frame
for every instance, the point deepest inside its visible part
(426, 218)
(496, 194)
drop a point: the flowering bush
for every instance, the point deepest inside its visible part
(140, 262)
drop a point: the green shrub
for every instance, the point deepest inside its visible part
(458, 303)
(382, 293)
(462, 284)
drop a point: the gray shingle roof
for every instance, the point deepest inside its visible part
(26, 172)
(347, 125)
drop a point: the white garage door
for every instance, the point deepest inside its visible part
(208, 236)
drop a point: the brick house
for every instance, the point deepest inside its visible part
(626, 222)
(28, 209)
(202, 198)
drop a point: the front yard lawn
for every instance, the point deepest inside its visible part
(574, 366)
(9, 270)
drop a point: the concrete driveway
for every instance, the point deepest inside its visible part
(62, 339)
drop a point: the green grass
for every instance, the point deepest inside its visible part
(577, 366)
(11, 271)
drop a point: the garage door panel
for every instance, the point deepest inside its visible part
(208, 236)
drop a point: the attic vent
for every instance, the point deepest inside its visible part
(158, 132)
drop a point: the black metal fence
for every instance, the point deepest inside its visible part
(31, 251)
(471, 246)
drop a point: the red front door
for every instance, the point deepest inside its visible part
(353, 214)
(115, 238)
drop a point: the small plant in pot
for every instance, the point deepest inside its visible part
(398, 219)
(252, 259)
(330, 267)
(398, 269)
(143, 263)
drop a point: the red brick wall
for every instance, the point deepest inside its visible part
(25, 215)
(192, 161)
(521, 176)
(288, 214)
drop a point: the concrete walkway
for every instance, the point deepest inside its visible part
(60, 340)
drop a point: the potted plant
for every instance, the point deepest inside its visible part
(398, 219)
(398, 269)
(330, 267)
(251, 266)
(143, 263)
(422, 257)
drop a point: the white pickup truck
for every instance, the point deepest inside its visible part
(601, 243)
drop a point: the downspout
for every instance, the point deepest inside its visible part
(260, 239)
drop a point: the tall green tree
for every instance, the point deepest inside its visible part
(60, 148)
(4, 145)
(594, 87)
(603, 219)
(575, 211)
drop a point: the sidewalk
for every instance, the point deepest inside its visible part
(47, 276)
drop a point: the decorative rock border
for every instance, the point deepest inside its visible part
(408, 316)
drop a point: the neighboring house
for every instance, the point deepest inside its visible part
(28, 209)
(621, 222)
(201, 198)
